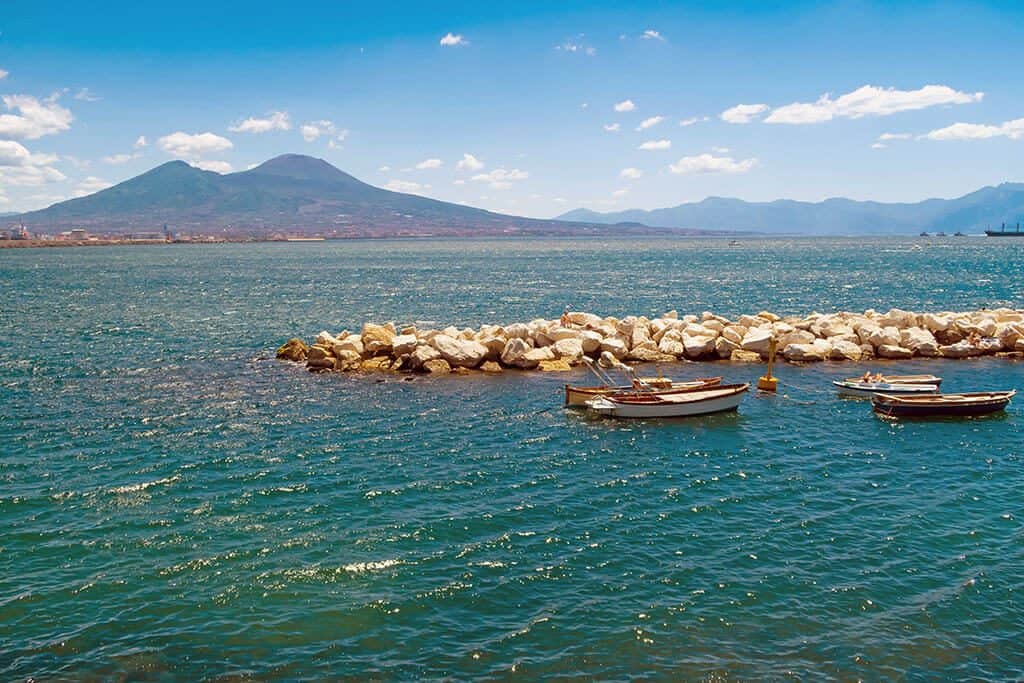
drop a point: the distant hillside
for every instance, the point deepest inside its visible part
(290, 193)
(985, 208)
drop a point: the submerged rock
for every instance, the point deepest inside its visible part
(294, 350)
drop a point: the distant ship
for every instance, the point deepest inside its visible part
(924, 234)
(1003, 232)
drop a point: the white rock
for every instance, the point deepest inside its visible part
(935, 323)
(734, 333)
(563, 333)
(353, 342)
(920, 341)
(672, 347)
(614, 346)
(517, 331)
(961, 349)
(514, 353)
(460, 353)
(817, 351)
(757, 340)
(570, 349)
(724, 347)
(403, 344)
(885, 336)
(845, 350)
(698, 347)
(591, 341)
(421, 354)
(796, 337)
(894, 351)
(326, 339)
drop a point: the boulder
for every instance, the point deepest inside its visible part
(319, 352)
(422, 355)
(560, 333)
(494, 346)
(741, 356)
(649, 353)
(557, 365)
(671, 347)
(867, 352)
(989, 345)
(491, 367)
(403, 344)
(460, 353)
(734, 333)
(570, 350)
(845, 350)
(514, 354)
(897, 318)
(961, 349)
(725, 347)
(796, 337)
(377, 339)
(517, 331)
(817, 351)
(438, 366)
(584, 319)
(770, 317)
(294, 350)
(326, 339)
(884, 336)
(757, 340)
(376, 364)
(353, 342)
(607, 360)
(920, 341)
(935, 323)
(894, 351)
(347, 360)
(591, 341)
(698, 347)
(1019, 345)
(533, 357)
(614, 346)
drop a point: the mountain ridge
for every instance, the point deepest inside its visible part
(983, 208)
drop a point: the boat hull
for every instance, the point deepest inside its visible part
(870, 389)
(577, 396)
(940, 405)
(689, 404)
(903, 379)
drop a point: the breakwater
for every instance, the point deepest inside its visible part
(560, 344)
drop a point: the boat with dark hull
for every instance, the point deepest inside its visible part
(1003, 232)
(940, 405)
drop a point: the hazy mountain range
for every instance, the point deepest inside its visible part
(290, 193)
(985, 208)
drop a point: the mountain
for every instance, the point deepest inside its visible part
(985, 208)
(291, 193)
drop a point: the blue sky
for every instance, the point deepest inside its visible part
(759, 100)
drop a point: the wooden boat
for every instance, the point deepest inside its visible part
(682, 404)
(869, 389)
(578, 396)
(977, 403)
(902, 379)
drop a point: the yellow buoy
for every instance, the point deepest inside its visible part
(769, 383)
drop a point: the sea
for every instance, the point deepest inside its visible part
(176, 504)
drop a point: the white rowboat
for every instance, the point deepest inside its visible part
(869, 389)
(686, 404)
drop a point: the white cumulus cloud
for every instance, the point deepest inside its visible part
(428, 164)
(630, 173)
(193, 146)
(117, 159)
(15, 154)
(706, 163)
(743, 113)
(624, 105)
(19, 166)
(650, 122)
(275, 120)
(215, 166)
(406, 186)
(869, 100)
(4, 74)
(86, 95)
(34, 119)
(469, 163)
(501, 179)
(612, 127)
(1013, 130)
(90, 185)
(894, 136)
(655, 145)
(453, 40)
(651, 34)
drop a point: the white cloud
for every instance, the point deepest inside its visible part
(215, 166)
(384, 169)
(453, 40)
(651, 34)
(4, 74)
(720, 150)
(314, 129)
(631, 173)
(117, 158)
(650, 122)
(878, 145)
(693, 120)
(406, 186)
(141, 142)
(870, 100)
(428, 164)
(574, 46)
(894, 136)
(19, 166)
(85, 95)
(469, 163)
(1013, 130)
(706, 163)
(193, 146)
(743, 113)
(655, 145)
(275, 120)
(501, 179)
(90, 185)
(624, 105)
(15, 154)
(34, 118)
(612, 127)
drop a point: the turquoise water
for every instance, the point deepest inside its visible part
(175, 506)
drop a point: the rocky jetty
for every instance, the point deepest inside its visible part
(554, 345)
